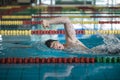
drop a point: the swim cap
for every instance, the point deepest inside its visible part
(48, 42)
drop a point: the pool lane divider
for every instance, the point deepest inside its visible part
(60, 7)
(38, 60)
(27, 22)
(10, 7)
(73, 7)
(15, 32)
(10, 10)
(30, 17)
(51, 32)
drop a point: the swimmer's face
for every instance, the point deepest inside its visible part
(57, 45)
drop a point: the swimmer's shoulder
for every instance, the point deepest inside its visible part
(76, 44)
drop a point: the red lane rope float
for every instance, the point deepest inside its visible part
(77, 16)
(76, 13)
(83, 7)
(12, 10)
(60, 8)
(55, 32)
(32, 22)
(46, 60)
(109, 22)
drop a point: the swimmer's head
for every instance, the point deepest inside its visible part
(54, 44)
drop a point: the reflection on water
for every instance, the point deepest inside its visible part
(82, 71)
(65, 73)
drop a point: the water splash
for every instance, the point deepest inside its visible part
(111, 45)
(110, 39)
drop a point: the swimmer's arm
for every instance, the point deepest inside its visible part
(69, 29)
(19, 45)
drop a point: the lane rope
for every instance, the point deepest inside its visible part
(30, 17)
(41, 32)
(27, 22)
(38, 60)
(63, 6)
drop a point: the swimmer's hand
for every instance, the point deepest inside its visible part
(45, 23)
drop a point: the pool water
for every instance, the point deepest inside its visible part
(38, 49)
(74, 71)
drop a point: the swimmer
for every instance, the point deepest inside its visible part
(70, 35)
(71, 40)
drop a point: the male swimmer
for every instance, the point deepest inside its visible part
(71, 40)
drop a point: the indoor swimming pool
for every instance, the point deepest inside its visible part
(24, 55)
